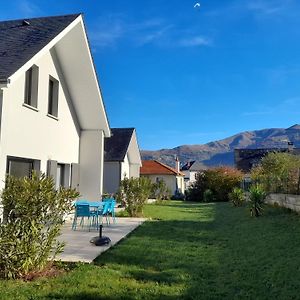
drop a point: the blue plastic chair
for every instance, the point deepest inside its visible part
(111, 209)
(103, 212)
(82, 210)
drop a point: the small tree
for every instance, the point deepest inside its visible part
(160, 190)
(220, 181)
(133, 193)
(257, 196)
(278, 173)
(34, 213)
(237, 196)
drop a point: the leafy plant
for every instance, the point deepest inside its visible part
(257, 196)
(220, 181)
(237, 196)
(33, 216)
(133, 193)
(160, 191)
(278, 173)
(208, 196)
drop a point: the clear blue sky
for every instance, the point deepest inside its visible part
(182, 75)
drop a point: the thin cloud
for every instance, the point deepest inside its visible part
(195, 42)
(112, 30)
(28, 9)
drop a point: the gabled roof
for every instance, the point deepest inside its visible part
(187, 166)
(154, 167)
(23, 42)
(21, 39)
(193, 166)
(115, 147)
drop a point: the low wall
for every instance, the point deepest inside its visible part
(285, 200)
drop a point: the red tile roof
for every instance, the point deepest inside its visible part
(153, 167)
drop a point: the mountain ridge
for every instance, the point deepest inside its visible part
(221, 152)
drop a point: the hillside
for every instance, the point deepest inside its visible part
(221, 152)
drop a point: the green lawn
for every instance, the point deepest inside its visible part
(187, 251)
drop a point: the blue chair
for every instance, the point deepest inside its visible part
(103, 212)
(111, 209)
(82, 210)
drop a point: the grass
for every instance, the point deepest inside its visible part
(187, 251)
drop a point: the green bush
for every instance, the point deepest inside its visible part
(220, 181)
(33, 216)
(133, 194)
(160, 191)
(257, 196)
(278, 173)
(208, 196)
(237, 196)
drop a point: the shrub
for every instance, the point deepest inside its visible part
(178, 196)
(133, 194)
(237, 197)
(160, 191)
(220, 181)
(33, 216)
(278, 173)
(257, 196)
(208, 196)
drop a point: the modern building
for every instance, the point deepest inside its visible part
(121, 158)
(52, 117)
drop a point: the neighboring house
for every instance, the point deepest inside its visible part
(156, 171)
(52, 114)
(190, 169)
(246, 159)
(121, 158)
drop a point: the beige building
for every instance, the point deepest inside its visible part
(156, 171)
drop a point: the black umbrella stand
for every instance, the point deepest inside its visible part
(100, 240)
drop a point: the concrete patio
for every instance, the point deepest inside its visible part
(78, 246)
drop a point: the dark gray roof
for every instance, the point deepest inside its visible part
(115, 147)
(20, 41)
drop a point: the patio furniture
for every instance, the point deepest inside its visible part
(103, 212)
(83, 211)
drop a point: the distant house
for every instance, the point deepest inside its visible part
(156, 171)
(52, 116)
(121, 158)
(246, 159)
(190, 169)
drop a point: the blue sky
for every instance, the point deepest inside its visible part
(182, 75)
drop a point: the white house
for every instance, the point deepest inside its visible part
(156, 171)
(190, 169)
(121, 158)
(52, 116)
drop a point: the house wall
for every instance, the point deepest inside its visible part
(170, 181)
(91, 164)
(135, 170)
(112, 173)
(180, 184)
(30, 133)
(125, 168)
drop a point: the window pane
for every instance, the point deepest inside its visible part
(28, 86)
(20, 168)
(53, 97)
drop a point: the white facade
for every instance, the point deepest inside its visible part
(115, 171)
(76, 135)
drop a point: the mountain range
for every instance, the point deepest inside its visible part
(221, 152)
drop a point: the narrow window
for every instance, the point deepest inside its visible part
(53, 97)
(31, 86)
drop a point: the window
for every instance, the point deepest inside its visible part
(53, 97)
(21, 167)
(31, 86)
(60, 173)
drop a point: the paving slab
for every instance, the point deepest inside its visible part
(78, 247)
